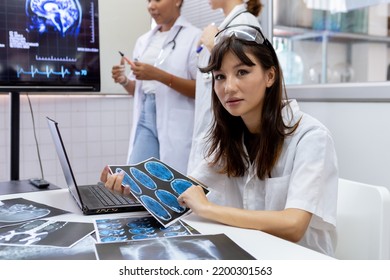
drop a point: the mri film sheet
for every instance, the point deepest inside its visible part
(82, 250)
(45, 233)
(190, 247)
(137, 228)
(20, 210)
(157, 186)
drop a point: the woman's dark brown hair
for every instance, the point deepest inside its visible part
(227, 132)
(254, 7)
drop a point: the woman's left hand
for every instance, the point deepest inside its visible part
(194, 198)
(144, 71)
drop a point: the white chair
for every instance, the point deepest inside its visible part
(363, 221)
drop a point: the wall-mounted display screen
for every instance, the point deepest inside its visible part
(49, 45)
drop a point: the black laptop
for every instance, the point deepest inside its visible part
(92, 199)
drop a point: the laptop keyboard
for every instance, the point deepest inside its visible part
(108, 198)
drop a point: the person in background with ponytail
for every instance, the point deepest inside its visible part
(236, 12)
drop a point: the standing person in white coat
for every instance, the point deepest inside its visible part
(162, 81)
(236, 12)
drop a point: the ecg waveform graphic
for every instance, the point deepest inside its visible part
(49, 72)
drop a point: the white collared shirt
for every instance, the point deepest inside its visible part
(304, 177)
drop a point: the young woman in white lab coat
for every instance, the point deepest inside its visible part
(162, 80)
(236, 12)
(270, 167)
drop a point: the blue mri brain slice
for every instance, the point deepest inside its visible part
(21, 212)
(111, 226)
(169, 200)
(140, 230)
(155, 207)
(113, 238)
(127, 180)
(63, 16)
(108, 232)
(140, 223)
(159, 170)
(142, 178)
(180, 185)
(143, 236)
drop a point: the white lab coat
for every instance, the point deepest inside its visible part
(175, 112)
(305, 177)
(203, 113)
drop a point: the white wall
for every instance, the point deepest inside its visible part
(121, 23)
(95, 131)
(361, 133)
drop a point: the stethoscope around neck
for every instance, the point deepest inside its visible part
(166, 50)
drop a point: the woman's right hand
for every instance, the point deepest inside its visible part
(119, 73)
(114, 181)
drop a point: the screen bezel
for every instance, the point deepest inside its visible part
(74, 84)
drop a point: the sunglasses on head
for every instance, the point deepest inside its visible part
(249, 33)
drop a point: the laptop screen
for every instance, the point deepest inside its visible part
(64, 160)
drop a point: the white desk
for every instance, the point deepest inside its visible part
(259, 244)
